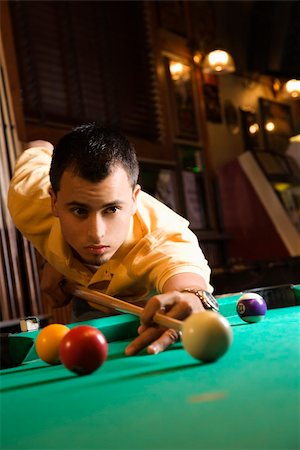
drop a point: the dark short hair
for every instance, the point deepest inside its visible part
(92, 152)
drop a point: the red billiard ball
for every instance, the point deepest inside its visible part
(48, 341)
(83, 350)
(251, 307)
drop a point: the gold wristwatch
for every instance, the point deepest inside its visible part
(208, 300)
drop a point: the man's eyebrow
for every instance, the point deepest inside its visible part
(114, 203)
(86, 205)
(74, 203)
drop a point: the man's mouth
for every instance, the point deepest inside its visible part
(96, 249)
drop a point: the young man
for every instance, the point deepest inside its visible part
(82, 209)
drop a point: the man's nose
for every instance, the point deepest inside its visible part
(96, 227)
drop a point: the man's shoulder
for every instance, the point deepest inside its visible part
(154, 214)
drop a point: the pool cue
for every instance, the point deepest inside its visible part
(122, 306)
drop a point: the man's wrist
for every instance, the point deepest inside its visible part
(206, 298)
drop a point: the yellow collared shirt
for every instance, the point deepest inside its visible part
(159, 243)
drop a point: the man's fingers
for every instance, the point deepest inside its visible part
(156, 339)
(159, 303)
(151, 334)
(171, 303)
(180, 311)
(153, 306)
(168, 338)
(141, 329)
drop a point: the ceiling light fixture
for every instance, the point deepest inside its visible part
(291, 89)
(218, 62)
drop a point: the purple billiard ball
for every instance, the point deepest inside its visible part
(251, 307)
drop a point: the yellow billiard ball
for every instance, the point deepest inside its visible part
(48, 341)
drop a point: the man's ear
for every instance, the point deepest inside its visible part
(135, 193)
(53, 202)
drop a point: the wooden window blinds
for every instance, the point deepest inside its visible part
(85, 61)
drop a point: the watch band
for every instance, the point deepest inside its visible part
(208, 300)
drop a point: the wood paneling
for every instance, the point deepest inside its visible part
(20, 293)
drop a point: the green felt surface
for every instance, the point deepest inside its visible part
(120, 326)
(114, 328)
(248, 399)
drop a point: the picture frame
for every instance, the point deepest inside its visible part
(273, 164)
(182, 99)
(162, 183)
(211, 97)
(231, 117)
(170, 16)
(277, 124)
(194, 197)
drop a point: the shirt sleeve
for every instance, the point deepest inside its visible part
(29, 201)
(161, 255)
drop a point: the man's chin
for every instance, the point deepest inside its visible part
(92, 260)
(96, 260)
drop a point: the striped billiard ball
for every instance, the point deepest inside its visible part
(251, 307)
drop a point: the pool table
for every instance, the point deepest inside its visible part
(248, 399)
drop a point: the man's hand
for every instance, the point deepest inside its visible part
(173, 303)
(54, 287)
(156, 338)
(38, 143)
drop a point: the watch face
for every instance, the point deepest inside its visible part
(212, 302)
(208, 300)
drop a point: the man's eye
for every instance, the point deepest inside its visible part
(80, 212)
(111, 210)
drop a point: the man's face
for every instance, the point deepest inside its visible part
(95, 217)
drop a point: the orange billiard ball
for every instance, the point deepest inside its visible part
(48, 341)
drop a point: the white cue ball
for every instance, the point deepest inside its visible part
(206, 335)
